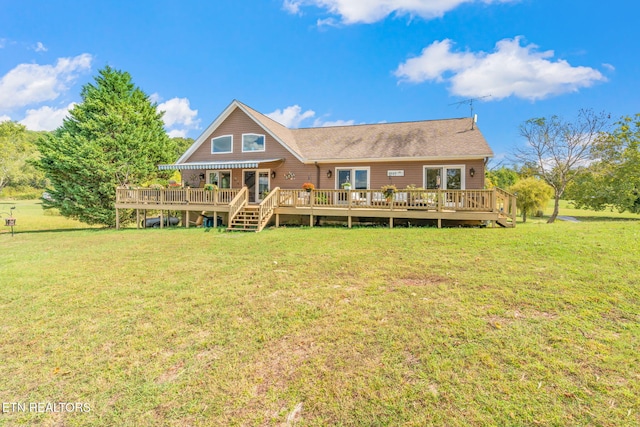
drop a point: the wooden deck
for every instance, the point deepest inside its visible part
(494, 205)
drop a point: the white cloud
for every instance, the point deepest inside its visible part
(40, 47)
(177, 133)
(155, 97)
(46, 118)
(178, 117)
(5, 119)
(29, 84)
(609, 67)
(369, 11)
(322, 124)
(178, 112)
(510, 70)
(291, 117)
(292, 6)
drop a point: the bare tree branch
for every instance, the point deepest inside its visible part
(557, 148)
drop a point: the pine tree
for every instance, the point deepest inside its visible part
(114, 137)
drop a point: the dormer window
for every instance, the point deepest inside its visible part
(252, 142)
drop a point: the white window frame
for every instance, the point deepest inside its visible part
(222, 152)
(211, 172)
(264, 144)
(257, 195)
(352, 175)
(443, 175)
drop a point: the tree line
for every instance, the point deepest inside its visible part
(115, 137)
(588, 160)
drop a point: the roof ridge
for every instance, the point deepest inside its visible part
(280, 131)
(381, 124)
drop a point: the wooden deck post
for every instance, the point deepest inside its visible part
(138, 218)
(277, 220)
(349, 221)
(494, 200)
(161, 218)
(390, 222)
(186, 216)
(311, 220)
(117, 219)
(215, 219)
(439, 222)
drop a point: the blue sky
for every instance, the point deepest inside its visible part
(327, 62)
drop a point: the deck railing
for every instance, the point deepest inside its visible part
(267, 206)
(176, 196)
(238, 202)
(493, 200)
(505, 203)
(437, 200)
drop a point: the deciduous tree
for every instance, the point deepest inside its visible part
(560, 148)
(532, 194)
(502, 177)
(114, 137)
(16, 149)
(613, 177)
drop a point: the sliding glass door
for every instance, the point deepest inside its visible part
(444, 177)
(357, 178)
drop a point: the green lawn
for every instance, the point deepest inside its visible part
(537, 325)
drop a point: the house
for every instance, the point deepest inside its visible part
(244, 151)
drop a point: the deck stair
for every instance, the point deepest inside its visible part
(248, 219)
(505, 222)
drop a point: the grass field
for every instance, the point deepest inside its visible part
(537, 325)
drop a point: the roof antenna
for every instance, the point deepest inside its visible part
(470, 102)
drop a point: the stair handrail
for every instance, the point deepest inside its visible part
(267, 207)
(509, 203)
(238, 202)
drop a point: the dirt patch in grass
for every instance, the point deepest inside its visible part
(171, 374)
(422, 281)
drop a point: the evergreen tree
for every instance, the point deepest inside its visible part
(114, 137)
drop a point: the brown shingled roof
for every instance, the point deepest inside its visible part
(430, 139)
(451, 138)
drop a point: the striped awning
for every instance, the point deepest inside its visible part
(240, 164)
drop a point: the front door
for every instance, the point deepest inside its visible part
(250, 183)
(257, 183)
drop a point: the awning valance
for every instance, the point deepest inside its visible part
(239, 164)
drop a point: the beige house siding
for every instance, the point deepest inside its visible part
(413, 173)
(237, 124)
